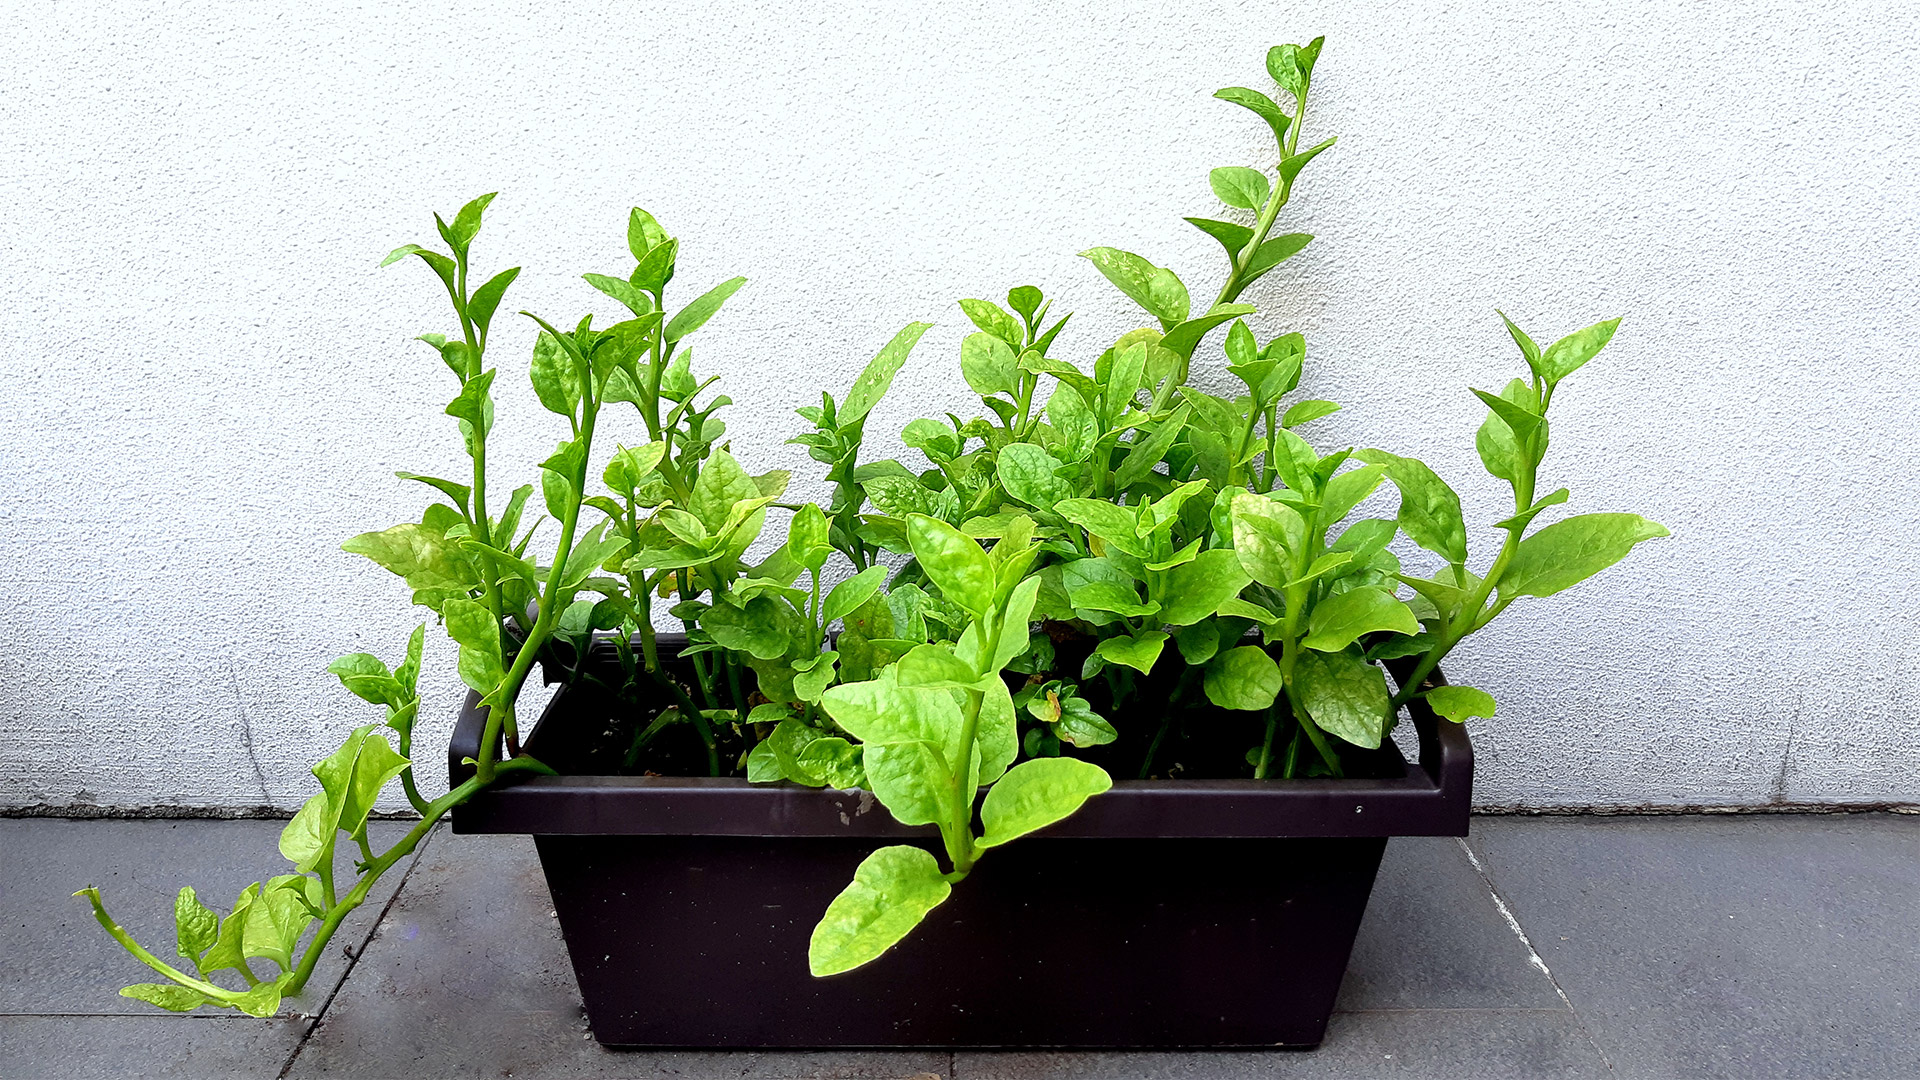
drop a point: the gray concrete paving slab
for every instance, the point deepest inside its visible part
(157, 1046)
(1432, 939)
(55, 959)
(1742, 947)
(468, 976)
(1435, 1044)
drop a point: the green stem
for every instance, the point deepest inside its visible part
(1266, 747)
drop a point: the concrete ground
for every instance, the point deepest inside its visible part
(1717, 946)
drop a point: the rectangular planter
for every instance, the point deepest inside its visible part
(1196, 913)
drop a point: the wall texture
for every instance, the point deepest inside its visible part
(208, 384)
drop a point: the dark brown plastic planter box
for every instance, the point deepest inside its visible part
(1199, 913)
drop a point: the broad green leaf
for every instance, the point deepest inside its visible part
(763, 767)
(1565, 356)
(556, 378)
(935, 667)
(643, 233)
(1265, 534)
(754, 628)
(1283, 66)
(836, 762)
(486, 299)
(423, 557)
(1199, 642)
(170, 996)
(630, 295)
(1117, 525)
(911, 779)
(892, 891)
(881, 711)
(1429, 509)
(308, 839)
(353, 776)
(1261, 105)
(366, 677)
(1326, 564)
(722, 483)
(997, 735)
(847, 597)
(1341, 619)
(1025, 299)
(695, 315)
(655, 270)
(1196, 589)
(1031, 475)
(1457, 703)
(1243, 678)
(1035, 794)
(807, 537)
(1527, 348)
(1345, 695)
(994, 320)
(1308, 411)
(194, 926)
(953, 561)
(989, 365)
(1109, 596)
(1231, 236)
(1154, 288)
(899, 496)
(1138, 652)
(591, 553)
(227, 947)
(871, 386)
(261, 1001)
(275, 921)
(474, 627)
(1522, 420)
(1240, 187)
(1568, 552)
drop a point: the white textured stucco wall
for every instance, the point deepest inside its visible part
(208, 384)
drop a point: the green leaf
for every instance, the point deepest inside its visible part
(1198, 642)
(227, 947)
(275, 921)
(1231, 236)
(1240, 187)
(1429, 509)
(656, 270)
(695, 315)
(1261, 105)
(722, 483)
(1274, 252)
(953, 561)
(591, 553)
(1527, 348)
(1138, 652)
(992, 319)
(1307, 412)
(643, 233)
(459, 493)
(556, 378)
(1148, 452)
(1565, 356)
(998, 734)
(1117, 525)
(892, 890)
(1341, 619)
(466, 224)
(1290, 167)
(847, 597)
(1031, 475)
(1568, 552)
(353, 776)
(1244, 678)
(420, 555)
(1283, 66)
(366, 677)
(308, 838)
(877, 376)
(1345, 695)
(1035, 794)
(195, 927)
(478, 633)
(754, 628)
(880, 711)
(1457, 703)
(261, 1001)
(170, 996)
(934, 666)
(486, 299)
(1155, 289)
(1183, 338)
(1525, 517)
(629, 294)
(813, 675)
(442, 266)
(1324, 565)
(911, 779)
(1348, 490)
(807, 537)
(1196, 589)
(989, 365)
(1265, 534)
(1522, 420)
(473, 407)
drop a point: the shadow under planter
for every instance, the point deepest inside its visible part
(1191, 913)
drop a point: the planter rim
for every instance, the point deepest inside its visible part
(1432, 798)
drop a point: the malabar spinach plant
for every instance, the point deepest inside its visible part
(1111, 570)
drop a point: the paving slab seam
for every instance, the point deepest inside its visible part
(354, 955)
(1533, 954)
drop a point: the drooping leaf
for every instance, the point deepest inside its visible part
(1154, 288)
(1231, 236)
(892, 890)
(1308, 411)
(1429, 509)
(170, 996)
(1261, 105)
